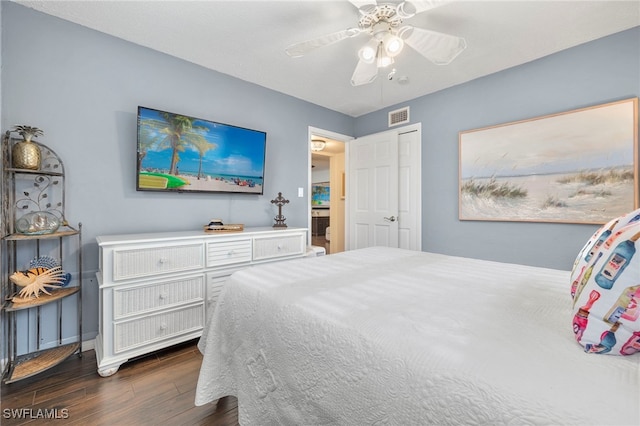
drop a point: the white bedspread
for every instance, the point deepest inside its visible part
(391, 337)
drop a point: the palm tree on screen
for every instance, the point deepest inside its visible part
(179, 132)
(202, 146)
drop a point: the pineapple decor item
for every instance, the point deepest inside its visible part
(26, 154)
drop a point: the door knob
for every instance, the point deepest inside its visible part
(390, 219)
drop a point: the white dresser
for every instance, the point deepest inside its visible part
(157, 289)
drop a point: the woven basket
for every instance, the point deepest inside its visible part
(237, 227)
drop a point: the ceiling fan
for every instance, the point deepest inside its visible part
(383, 22)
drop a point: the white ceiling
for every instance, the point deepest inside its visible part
(247, 39)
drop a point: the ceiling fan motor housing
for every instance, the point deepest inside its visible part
(385, 12)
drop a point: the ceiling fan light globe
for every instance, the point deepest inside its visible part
(368, 52)
(393, 44)
(384, 61)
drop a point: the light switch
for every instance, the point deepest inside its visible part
(300, 192)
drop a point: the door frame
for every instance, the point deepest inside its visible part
(317, 132)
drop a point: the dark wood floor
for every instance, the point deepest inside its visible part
(152, 390)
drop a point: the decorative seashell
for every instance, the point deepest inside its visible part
(36, 280)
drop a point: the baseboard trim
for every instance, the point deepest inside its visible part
(88, 345)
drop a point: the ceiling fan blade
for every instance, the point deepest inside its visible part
(439, 48)
(362, 3)
(410, 8)
(364, 73)
(300, 49)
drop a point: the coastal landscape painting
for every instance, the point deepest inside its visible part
(578, 166)
(320, 194)
(178, 153)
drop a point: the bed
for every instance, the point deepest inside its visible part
(383, 336)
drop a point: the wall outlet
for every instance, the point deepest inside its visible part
(300, 192)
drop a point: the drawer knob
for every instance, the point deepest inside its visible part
(162, 260)
(279, 247)
(163, 326)
(163, 296)
(230, 253)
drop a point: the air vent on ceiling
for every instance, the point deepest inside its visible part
(399, 116)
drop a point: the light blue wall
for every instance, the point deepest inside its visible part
(601, 71)
(83, 87)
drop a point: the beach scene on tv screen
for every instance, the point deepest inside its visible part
(181, 153)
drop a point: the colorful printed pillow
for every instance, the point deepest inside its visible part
(605, 287)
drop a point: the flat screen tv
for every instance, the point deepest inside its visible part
(178, 153)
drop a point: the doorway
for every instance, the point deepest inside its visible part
(327, 208)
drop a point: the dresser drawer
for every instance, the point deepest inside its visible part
(278, 246)
(224, 253)
(142, 262)
(157, 295)
(131, 334)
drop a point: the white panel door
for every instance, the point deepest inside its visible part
(409, 190)
(373, 185)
